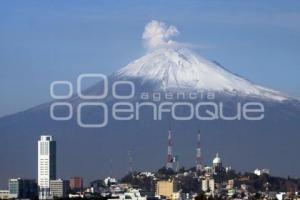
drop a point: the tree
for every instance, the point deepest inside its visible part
(200, 196)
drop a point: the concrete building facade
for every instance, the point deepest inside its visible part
(166, 188)
(59, 188)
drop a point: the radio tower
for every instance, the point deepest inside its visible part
(198, 154)
(130, 162)
(169, 164)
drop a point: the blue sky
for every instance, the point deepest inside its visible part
(43, 41)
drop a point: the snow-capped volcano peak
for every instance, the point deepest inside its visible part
(179, 68)
(169, 65)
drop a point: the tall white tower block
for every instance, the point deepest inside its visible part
(46, 165)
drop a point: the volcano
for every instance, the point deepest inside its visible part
(97, 152)
(181, 69)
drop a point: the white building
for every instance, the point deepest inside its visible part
(147, 174)
(208, 185)
(217, 164)
(46, 165)
(259, 172)
(280, 196)
(110, 181)
(132, 194)
(4, 194)
(217, 161)
(208, 170)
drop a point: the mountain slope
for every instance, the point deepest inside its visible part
(179, 68)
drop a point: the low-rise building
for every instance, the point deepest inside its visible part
(59, 188)
(97, 186)
(259, 172)
(230, 184)
(133, 194)
(110, 181)
(76, 184)
(208, 185)
(4, 194)
(166, 188)
(22, 188)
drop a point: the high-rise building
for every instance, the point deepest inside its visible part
(22, 188)
(59, 188)
(76, 184)
(46, 165)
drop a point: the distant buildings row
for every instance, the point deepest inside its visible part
(28, 189)
(210, 179)
(47, 186)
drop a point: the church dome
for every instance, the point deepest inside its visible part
(217, 160)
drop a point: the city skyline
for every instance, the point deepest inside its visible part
(209, 179)
(188, 100)
(47, 163)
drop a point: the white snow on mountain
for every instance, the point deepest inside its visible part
(171, 65)
(179, 68)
